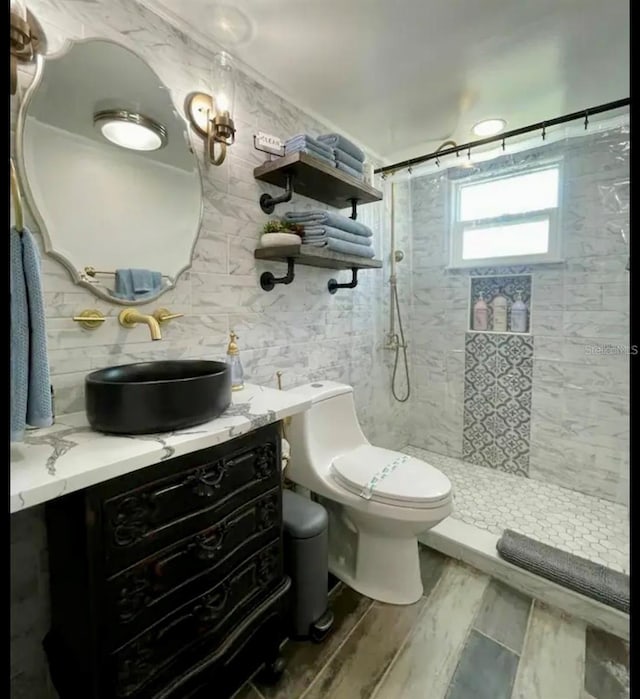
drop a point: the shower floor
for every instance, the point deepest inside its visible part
(586, 526)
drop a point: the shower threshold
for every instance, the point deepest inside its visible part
(486, 502)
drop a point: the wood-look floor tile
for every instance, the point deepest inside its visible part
(553, 659)
(306, 659)
(247, 692)
(356, 669)
(486, 670)
(426, 663)
(607, 665)
(503, 615)
(432, 564)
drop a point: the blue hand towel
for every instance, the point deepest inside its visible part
(350, 171)
(303, 138)
(335, 140)
(323, 232)
(329, 218)
(136, 284)
(344, 157)
(30, 381)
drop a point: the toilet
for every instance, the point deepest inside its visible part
(378, 500)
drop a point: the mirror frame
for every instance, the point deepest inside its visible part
(30, 199)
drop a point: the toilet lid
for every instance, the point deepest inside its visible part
(389, 476)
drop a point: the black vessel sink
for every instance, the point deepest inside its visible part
(156, 396)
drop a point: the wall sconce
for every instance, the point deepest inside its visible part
(24, 39)
(210, 115)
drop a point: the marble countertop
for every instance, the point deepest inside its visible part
(69, 455)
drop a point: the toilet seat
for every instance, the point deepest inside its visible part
(392, 478)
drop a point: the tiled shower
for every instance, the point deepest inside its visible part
(550, 404)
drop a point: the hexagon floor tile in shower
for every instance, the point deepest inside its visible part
(581, 524)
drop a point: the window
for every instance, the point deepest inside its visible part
(507, 220)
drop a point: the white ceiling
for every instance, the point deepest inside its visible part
(402, 76)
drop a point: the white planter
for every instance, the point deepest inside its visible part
(270, 240)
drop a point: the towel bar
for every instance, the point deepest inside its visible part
(92, 272)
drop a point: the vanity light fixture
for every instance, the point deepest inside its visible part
(210, 115)
(24, 39)
(489, 127)
(130, 129)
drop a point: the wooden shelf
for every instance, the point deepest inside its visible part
(315, 257)
(313, 177)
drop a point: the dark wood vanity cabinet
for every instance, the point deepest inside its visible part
(168, 582)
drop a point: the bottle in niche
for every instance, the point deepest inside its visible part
(480, 314)
(233, 359)
(499, 310)
(519, 315)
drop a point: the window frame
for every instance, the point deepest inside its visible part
(456, 227)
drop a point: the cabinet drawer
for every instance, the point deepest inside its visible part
(204, 621)
(140, 521)
(138, 595)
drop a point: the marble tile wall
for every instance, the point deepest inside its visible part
(579, 435)
(300, 329)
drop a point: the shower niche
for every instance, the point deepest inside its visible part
(500, 304)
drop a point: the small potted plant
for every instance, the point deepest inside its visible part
(276, 232)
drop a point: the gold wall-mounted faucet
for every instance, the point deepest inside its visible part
(129, 318)
(163, 315)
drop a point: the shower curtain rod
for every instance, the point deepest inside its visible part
(583, 114)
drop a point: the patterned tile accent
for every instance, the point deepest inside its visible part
(497, 401)
(587, 526)
(489, 286)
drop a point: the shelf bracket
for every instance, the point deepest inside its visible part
(268, 203)
(354, 209)
(333, 285)
(268, 281)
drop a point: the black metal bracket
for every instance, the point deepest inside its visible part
(354, 209)
(333, 285)
(268, 281)
(268, 203)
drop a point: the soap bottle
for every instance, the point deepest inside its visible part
(519, 315)
(499, 309)
(233, 360)
(480, 314)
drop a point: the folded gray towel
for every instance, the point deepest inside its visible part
(335, 140)
(349, 248)
(574, 572)
(305, 139)
(329, 218)
(310, 150)
(349, 171)
(343, 157)
(29, 366)
(323, 232)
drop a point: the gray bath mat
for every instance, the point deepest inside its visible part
(573, 572)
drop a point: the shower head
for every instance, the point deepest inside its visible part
(398, 256)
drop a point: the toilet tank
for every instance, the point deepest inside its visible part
(326, 430)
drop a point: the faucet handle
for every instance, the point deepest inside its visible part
(279, 379)
(163, 315)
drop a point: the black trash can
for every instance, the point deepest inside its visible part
(306, 541)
